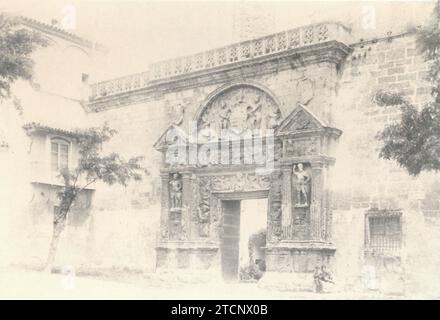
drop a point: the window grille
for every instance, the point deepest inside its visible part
(385, 233)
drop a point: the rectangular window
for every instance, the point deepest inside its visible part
(54, 156)
(385, 233)
(59, 154)
(64, 155)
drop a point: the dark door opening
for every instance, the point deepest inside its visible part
(230, 240)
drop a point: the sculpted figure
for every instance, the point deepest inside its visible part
(273, 119)
(303, 180)
(253, 117)
(203, 218)
(203, 210)
(276, 211)
(225, 114)
(176, 192)
(206, 130)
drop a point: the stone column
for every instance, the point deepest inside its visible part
(327, 204)
(164, 214)
(187, 205)
(286, 218)
(317, 219)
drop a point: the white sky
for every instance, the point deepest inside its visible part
(141, 32)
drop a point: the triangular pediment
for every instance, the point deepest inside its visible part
(299, 120)
(173, 135)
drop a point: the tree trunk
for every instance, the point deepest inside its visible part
(58, 227)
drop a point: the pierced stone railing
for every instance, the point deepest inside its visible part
(246, 50)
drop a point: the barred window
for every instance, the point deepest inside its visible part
(385, 233)
(59, 154)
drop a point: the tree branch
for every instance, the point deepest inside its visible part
(87, 184)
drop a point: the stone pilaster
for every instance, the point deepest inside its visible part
(317, 219)
(327, 204)
(286, 219)
(164, 214)
(187, 204)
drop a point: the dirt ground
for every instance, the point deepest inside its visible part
(28, 284)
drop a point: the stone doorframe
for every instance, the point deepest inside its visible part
(299, 205)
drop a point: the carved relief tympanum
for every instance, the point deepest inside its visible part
(241, 108)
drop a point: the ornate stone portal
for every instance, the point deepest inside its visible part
(194, 215)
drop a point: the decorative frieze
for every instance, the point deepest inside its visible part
(240, 182)
(301, 147)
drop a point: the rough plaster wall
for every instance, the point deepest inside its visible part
(348, 238)
(25, 215)
(124, 220)
(14, 182)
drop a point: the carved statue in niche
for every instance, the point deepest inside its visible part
(303, 180)
(203, 209)
(176, 227)
(176, 192)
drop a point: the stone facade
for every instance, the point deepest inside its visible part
(292, 92)
(316, 87)
(338, 89)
